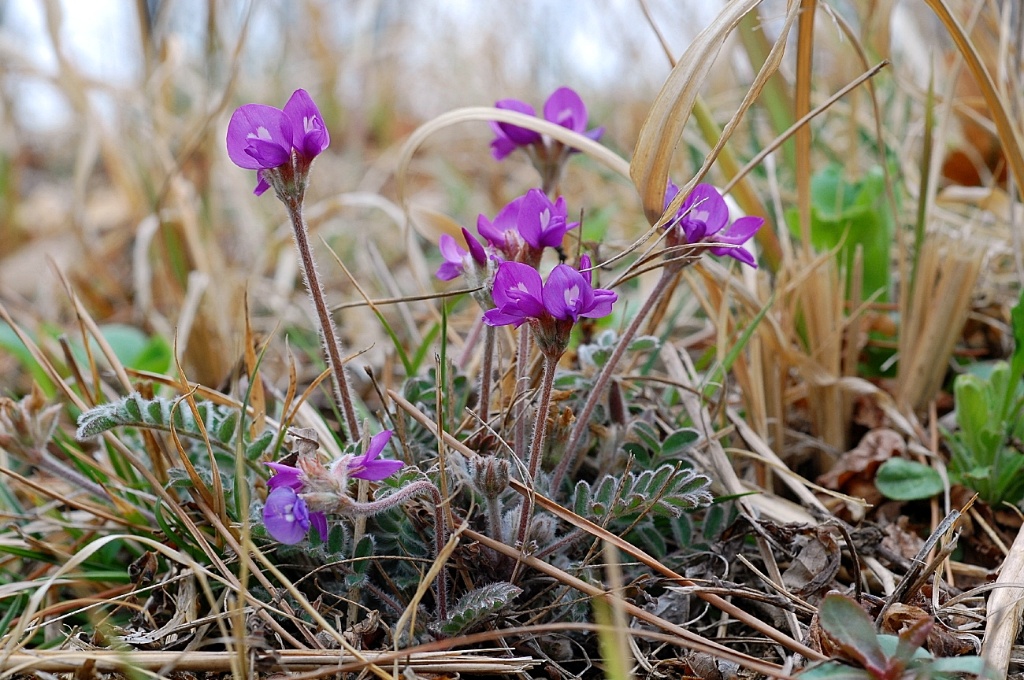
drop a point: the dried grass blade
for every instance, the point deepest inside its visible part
(1009, 132)
(665, 121)
(597, 151)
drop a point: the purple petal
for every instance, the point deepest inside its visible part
(502, 147)
(519, 136)
(490, 232)
(318, 521)
(595, 134)
(284, 476)
(741, 231)
(259, 137)
(671, 191)
(738, 253)
(586, 269)
(450, 249)
(500, 317)
(367, 466)
(379, 469)
(475, 249)
(286, 516)
(518, 286)
(377, 444)
(705, 206)
(601, 305)
(534, 213)
(567, 109)
(448, 271)
(309, 134)
(567, 293)
(261, 184)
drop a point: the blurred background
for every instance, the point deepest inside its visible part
(113, 170)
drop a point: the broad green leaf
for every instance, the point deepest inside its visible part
(854, 213)
(907, 480)
(852, 629)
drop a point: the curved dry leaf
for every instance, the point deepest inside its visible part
(663, 128)
(1009, 133)
(430, 224)
(598, 152)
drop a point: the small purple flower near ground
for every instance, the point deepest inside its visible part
(503, 232)
(552, 307)
(564, 107)
(280, 523)
(542, 223)
(458, 261)
(264, 138)
(287, 515)
(704, 216)
(528, 224)
(367, 465)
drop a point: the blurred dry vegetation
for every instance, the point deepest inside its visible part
(132, 198)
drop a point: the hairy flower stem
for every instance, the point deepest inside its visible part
(332, 347)
(494, 518)
(582, 425)
(522, 381)
(540, 431)
(486, 368)
(367, 509)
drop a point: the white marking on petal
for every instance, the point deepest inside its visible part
(572, 296)
(545, 219)
(261, 133)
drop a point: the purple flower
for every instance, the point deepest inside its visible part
(457, 260)
(509, 137)
(366, 466)
(518, 295)
(259, 137)
(264, 138)
(543, 223)
(704, 216)
(564, 107)
(567, 295)
(504, 228)
(309, 134)
(285, 515)
(284, 476)
(276, 516)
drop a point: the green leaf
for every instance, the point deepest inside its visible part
(853, 630)
(476, 605)
(1017, 360)
(833, 670)
(679, 441)
(854, 213)
(907, 480)
(644, 343)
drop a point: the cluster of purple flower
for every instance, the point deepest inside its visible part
(268, 139)
(704, 217)
(280, 144)
(288, 515)
(564, 107)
